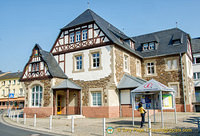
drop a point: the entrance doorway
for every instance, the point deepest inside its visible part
(59, 104)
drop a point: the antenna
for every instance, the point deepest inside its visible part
(88, 3)
(176, 24)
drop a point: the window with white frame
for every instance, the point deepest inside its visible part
(196, 75)
(20, 91)
(78, 36)
(150, 68)
(36, 100)
(13, 91)
(4, 82)
(78, 62)
(18, 82)
(96, 99)
(9, 82)
(14, 82)
(151, 45)
(145, 46)
(84, 34)
(172, 64)
(126, 62)
(138, 68)
(196, 60)
(95, 60)
(72, 38)
(3, 92)
(175, 86)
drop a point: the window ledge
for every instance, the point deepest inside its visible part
(171, 69)
(78, 71)
(94, 69)
(150, 75)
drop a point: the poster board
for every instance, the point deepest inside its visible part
(167, 101)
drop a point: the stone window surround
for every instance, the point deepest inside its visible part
(35, 83)
(171, 58)
(74, 62)
(90, 96)
(145, 65)
(91, 60)
(126, 70)
(178, 84)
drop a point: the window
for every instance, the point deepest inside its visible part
(176, 42)
(4, 82)
(175, 86)
(21, 91)
(72, 38)
(11, 102)
(78, 62)
(3, 92)
(78, 36)
(96, 99)
(149, 46)
(13, 91)
(95, 60)
(84, 34)
(196, 75)
(150, 68)
(14, 82)
(138, 68)
(196, 60)
(36, 96)
(9, 82)
(172, 64)
(18, 82)
(125, 97)
(145, 46)
(126, 63)
(36, 52)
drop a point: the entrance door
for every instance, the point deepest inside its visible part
(59, 104)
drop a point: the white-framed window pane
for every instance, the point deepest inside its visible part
(194, 76)
(198, 75)
(72, 38)
(78, 62)
(150, 68)
(125, 62)
(96, 60)
(36, 96)
(96, 99)
(197, 60)
(151, 46)
(175, 66)
(84, 34)
(145, 46)
(78, 36)
(169, 64)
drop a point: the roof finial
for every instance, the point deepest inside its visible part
(88, 4)
(176, 24)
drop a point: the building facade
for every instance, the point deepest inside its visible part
(9, 84)
(88, 68)
(196, 71)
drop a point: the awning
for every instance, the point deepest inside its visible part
(128, 81)
(67, 84)
(152, 86)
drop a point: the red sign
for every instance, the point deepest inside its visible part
(148, 85)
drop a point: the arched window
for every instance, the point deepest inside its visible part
(36, 96)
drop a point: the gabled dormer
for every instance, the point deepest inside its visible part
(41, 65)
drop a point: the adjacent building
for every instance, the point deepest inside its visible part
(92, 67)
(196, 70)
(11, 91)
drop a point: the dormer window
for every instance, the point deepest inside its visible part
(149, 46)
(176, 42)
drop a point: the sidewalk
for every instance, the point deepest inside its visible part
(186, 125)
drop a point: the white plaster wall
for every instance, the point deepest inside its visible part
(89, 75)
(113, 98)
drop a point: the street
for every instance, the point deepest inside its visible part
(6, 130)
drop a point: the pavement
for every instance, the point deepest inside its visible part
(186, 125)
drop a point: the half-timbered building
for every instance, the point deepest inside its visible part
(93, 66)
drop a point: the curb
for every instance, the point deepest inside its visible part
(42, 131)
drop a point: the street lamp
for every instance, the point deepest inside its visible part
(8, 99)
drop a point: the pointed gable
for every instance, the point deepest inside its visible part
(41, 65)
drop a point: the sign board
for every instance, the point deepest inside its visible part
(11, 95)
(167, 101)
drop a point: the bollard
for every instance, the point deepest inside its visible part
(198, 121)
(14, 116)
(34, 124)
(50, 122)
(149, 127)
(104, 126)
(18, 117)
(72, 124)
(24, 118)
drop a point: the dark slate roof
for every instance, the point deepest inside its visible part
(114, 34)
(11, 75)
(195, 45)
(164, 43)
(128, 81)
(53, 67)
(67, 84)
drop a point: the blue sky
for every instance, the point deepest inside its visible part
(26, 22)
